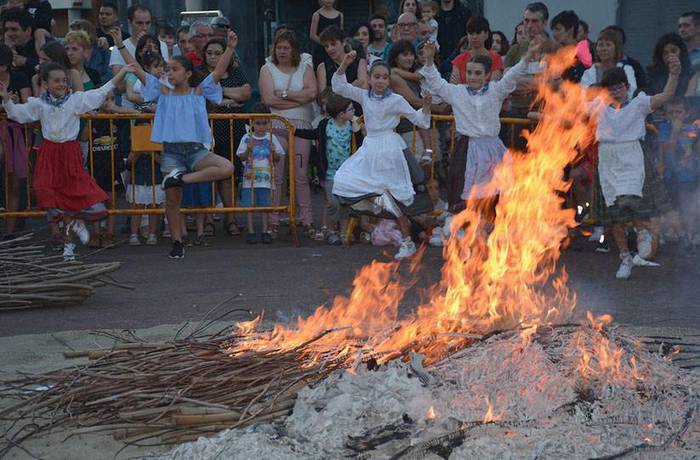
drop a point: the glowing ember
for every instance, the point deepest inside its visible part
(431, 413)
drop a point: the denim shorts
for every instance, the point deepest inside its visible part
(181, 155)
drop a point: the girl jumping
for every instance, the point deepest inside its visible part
(379, 167)
(61, 184)
(181, 124)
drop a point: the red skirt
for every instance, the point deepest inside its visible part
(61, 182)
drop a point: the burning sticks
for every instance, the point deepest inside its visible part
(31, 279)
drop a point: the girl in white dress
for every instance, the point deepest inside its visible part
(379, 166)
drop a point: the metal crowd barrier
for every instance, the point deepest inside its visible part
(140, 144)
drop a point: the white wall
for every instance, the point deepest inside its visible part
(505, 14)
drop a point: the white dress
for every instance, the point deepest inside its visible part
(620, 155)
(379, 165)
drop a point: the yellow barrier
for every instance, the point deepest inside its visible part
(141, 144)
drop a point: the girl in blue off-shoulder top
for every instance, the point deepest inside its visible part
(181, 124)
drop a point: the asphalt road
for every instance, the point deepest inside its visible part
(288, 281)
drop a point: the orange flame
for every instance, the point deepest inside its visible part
(489, 416)
(498, 280)
(431, 413)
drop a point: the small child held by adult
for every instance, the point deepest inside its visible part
(61, 183)
(258, 150)
(334, 135)
(681, 160)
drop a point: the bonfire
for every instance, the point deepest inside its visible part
(493, 364)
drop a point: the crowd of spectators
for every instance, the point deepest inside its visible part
(298, 86)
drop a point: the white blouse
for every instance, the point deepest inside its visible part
(476, 115)
(59, 124)
(382, 115)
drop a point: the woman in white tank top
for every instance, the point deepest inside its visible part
(288, 87)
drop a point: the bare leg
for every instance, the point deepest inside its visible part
(264, 222)
(210, 168)
(251, 228)
(173, 197)
(619, 232)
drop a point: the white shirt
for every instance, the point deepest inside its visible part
(59, 124)
(116, 57)
(621, 125)
(382, 115)
(591, 77)
(476, 115)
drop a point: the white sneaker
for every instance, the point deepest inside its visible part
(641, 262)
(134, 240)
(78, 227)
(407, 249)
(152, 240)
(625, 269)
(644, 243)
(68, 252)
(597, 233)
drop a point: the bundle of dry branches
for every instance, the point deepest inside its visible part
(30, 279)
(165, 393)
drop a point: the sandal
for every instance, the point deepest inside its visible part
(201, 241)
(232, 229)
(274, 230)
(209, 229)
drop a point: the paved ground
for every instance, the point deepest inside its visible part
(287, 281)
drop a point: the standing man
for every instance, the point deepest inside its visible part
(19, 35)
(535, 20)
(407, 25)
(689, 30)
(139, 24)
(200, 33)
(381, 41)
(452, 25)
(108, 18)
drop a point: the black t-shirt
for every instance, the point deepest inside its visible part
(18, 81)
(28, 50)
(41, 13)
(109, 38)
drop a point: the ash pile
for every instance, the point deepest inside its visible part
(567, 391)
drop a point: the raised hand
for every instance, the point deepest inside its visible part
(429, 50)
(534, 47)
(232, 41)
(674, 65)
(349, 58)
(116, 34)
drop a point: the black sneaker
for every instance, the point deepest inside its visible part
(173, 179)
(178, 250)
(603, 247)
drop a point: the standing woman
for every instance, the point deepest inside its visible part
(13, 149)
(334, 43)
(499, 43)
(237, 92)
(608, 50)
(364, 34)
(668, 46)
(55, 52)
(288, 87)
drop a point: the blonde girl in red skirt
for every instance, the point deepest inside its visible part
(61, 183)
